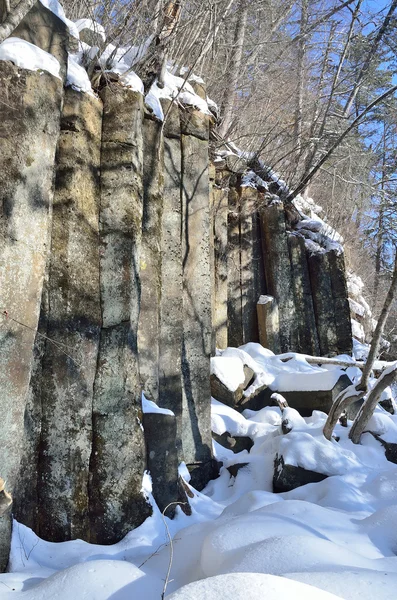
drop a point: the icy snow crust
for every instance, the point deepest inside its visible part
(333, 539)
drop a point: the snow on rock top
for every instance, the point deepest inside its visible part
(265, 299)
(293, 381)
(356, 307)
(92, 25)
(27, 56)
(251, 179)
(55, 7)
(121, 60)
(302, 449)
(174, 88)
(229, 370)
(149, 407)
(77, 76)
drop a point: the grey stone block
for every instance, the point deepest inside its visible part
(321, 285)
(150, 259)
(219, 223)
(118, 456)
(236, 443)
(305, 319)
(289, 477)
(221, 393)
(197, 313)
(162, 462)
(303, 401)
(5, 539)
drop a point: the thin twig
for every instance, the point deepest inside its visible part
(171, 547)
(57, 345)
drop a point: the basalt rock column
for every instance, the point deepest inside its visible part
(305, 319)
(219, 221)
(278, 271)
(30, 105)
(234, 312)
(251, 263)
(73, 325)
(171, 306)
(150, 261)
(118, 451)
(320, 281)
(197, 325)
(340, 296)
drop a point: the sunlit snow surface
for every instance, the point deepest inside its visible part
(333, 539)
(27, 56)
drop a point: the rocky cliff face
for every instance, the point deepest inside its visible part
(125, 258)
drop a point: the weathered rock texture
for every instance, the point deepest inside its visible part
(150, 261)
(278, 272)
(30, 105)
(125, 258)
(304, 304)
(171, 302)
(220, 240)
(118, 453)
(197, 309)
(73, 322)
(162, 462)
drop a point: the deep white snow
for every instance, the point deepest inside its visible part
(333, 539)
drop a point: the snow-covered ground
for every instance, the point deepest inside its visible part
(333, 539)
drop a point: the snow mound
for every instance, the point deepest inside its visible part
(281, 554)
(352, 585)
(94, 580)
(241, 586)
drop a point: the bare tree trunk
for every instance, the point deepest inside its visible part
(157, 16)
(323, 360)
(379, 237)
(367, 409)
(234, 68)
(373, 352)
(343, 400)
(302, 185)
(5, 498)
(319, 135)
(352, 393)
(210, 41)
(14, 17)
(301, 79)
(378, 258)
